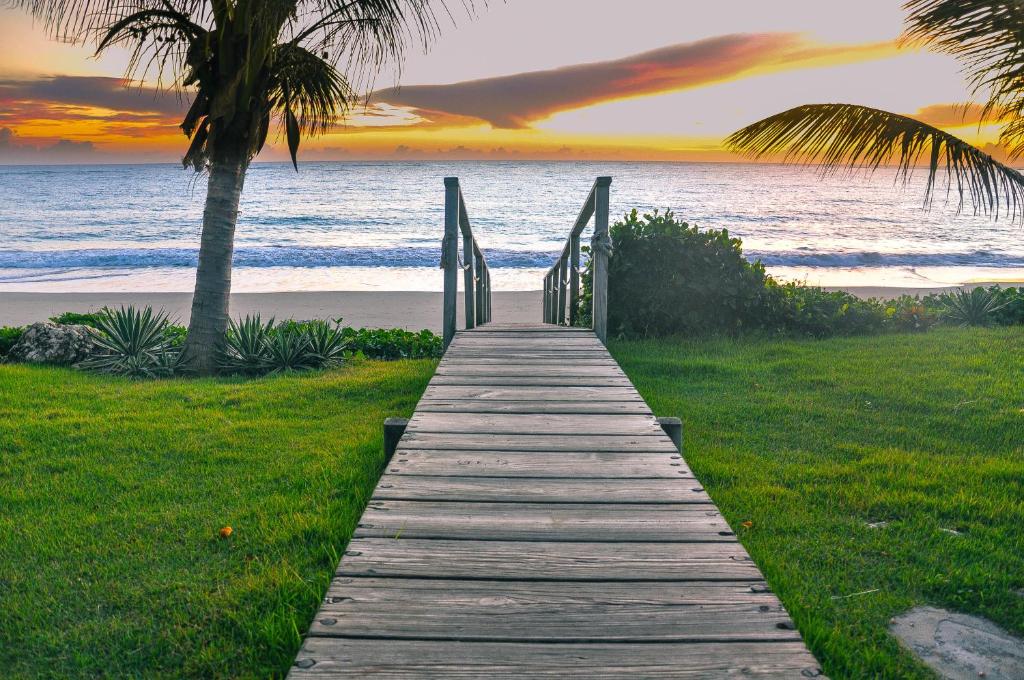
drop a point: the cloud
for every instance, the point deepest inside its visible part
(515, 101)
(15, 150)
(951, 115)
(114, 94)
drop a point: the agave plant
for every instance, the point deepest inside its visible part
(972, 307)
(327, 344)
(244, 349)
(288, 350)
(132, 342)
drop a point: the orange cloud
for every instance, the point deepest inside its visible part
(951, 115)
(515, 101)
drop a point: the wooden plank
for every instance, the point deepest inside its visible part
(567, 370)
(533, 393)
(491, 406)
(575, 490)
(326, 658)
(535, 424)
(555, 382)
(543, 522)
(551, 360)
(653, 443)
(550, 612)
(548, 561)
(581, 464)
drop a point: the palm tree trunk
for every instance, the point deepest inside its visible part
(209, 318)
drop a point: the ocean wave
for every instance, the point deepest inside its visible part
(857, 259)
(306, 257)
(313, 257)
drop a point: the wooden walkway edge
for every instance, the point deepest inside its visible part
(536, 521)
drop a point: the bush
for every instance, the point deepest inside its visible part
(91, 319)
(9, 336)
(668, 277)
(393, 343)
(132, 342)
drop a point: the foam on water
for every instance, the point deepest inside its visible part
(338, 226)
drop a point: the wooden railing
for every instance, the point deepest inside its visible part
(562, 282)
(472, 263)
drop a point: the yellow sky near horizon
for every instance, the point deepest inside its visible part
(526, 79)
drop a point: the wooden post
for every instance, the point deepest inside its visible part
(478, 270)
(599, 251)
(470, 286)
(562, 281)
(673, 427)
(394, 428)
(488, 305)
(574, 279)
(450, 257)
(545, 317)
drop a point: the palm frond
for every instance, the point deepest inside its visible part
(987, 36)
(838, 136)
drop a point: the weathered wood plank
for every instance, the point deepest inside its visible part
(553, 360)
(653, 443)
(550, 612)
(580, 464)
(532, 393)
(553, 382)
(326, 658)
(526, 490)
(535, 424)
(548, 561)
(568, 370)
(543, 522)
(467, 406)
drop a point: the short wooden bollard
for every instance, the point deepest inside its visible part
(674, 429)
(394, 428)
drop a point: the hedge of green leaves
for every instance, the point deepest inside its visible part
(667, 277)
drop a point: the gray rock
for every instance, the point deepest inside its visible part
(958, 646)
(50, 343)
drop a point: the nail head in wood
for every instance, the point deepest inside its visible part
(673, 427)
(394, 428)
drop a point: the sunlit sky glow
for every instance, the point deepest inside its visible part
(649, 80)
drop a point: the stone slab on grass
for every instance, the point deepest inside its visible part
(958, 646)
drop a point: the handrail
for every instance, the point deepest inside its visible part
(566, 270)
(476, 273)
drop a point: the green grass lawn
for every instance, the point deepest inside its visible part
(112, 493)
(812, 440)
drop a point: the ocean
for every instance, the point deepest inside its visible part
(378, 226)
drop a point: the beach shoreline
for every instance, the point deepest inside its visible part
(413, 310)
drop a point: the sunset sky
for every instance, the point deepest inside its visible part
(565, 79)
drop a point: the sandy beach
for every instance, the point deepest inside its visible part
(381, 309)
(378, 309)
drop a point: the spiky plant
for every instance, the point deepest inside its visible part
(288, 350)
(971, 307)
(245, 63)
(132, 342)
(327, 344)
(244, 349)
(986, 36)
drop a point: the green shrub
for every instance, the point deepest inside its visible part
(393, 343)
(976, 307)
(252, 347)
(244, 350)
(1011, 309)
(91, 319)
(132, 342)
(666, 277)
(9, 336)
(808, 310)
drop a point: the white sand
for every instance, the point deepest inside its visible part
(411, 310)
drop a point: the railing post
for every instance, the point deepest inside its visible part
(487, 310)
(562, 266)
(600, 250)
(450, 257)
(478, 284)
(574, 279)
(470, 286)
(545, 298)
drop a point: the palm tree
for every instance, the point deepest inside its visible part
(249, 62)
(988, 37)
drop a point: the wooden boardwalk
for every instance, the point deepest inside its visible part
(537, 522)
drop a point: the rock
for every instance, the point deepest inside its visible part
(957, 646)
(50, 343)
